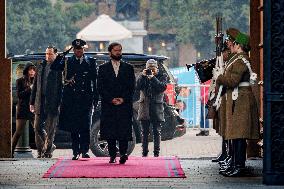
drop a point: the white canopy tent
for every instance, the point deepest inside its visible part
(104, 29)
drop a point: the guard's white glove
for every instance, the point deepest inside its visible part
(253, 78)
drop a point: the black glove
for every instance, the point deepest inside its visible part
(66, 52)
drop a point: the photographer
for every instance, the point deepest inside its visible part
(151, 85)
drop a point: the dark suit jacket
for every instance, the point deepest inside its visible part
(53, 91)
(77, 99)
(116, 121)
(23, 94)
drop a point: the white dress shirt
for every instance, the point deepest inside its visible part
(115, 65)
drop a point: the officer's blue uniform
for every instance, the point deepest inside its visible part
(78, 98)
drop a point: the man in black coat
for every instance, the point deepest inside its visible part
(79, 97)
(151, 85)
(116, 83)
(44, 103)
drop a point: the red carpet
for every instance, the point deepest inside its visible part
(98, 167)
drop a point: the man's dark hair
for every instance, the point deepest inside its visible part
(112, 45)
(52, 47)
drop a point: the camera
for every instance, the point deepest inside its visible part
(148, 72)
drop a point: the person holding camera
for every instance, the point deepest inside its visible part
(151, 85)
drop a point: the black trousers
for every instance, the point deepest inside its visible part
(112, 150)
(80, 142)
(156, 135)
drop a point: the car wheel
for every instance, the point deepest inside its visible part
(100, 147)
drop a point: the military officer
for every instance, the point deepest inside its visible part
(79, 97)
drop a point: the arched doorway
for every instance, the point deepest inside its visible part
(269, 15)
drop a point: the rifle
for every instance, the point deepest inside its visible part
(215, 101)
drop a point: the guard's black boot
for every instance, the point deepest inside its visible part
(224, 152)
(226, 161)
(224, 167)
(230, 166)
(240, 158)
(229, 153)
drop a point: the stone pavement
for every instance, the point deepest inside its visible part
(187, 146)
(194, 153)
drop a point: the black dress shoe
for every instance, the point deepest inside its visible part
(112, 160)
(76, 157)
(85, 155)
(123, 159)
(144, 154)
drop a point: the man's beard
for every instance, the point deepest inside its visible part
(117, 58)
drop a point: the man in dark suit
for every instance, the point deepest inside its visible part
(79, 97)
(44, 102)
(116, 83)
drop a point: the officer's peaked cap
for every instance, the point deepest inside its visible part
(78, 43)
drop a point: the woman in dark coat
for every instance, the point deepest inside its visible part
(23, 114)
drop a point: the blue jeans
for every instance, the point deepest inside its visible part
(204, 123)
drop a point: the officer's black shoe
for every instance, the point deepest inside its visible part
(76, 157)
(112, 160)
(144, 154)
(123, 159)
(85, 155)
(156, 154)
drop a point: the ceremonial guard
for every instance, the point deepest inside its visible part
(79, 97)
(225, 156)
(238, 111)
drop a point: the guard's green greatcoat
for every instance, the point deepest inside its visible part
(239, 118)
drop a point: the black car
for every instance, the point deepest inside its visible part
(174, 126)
